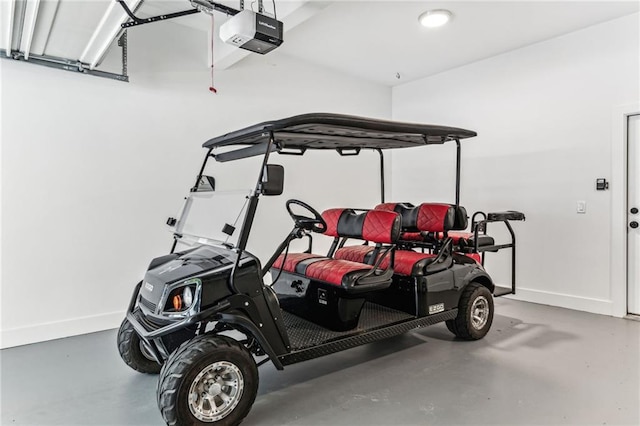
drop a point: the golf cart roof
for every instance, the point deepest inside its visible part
(340, 132)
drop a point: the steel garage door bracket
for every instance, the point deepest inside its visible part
(66, 64)
(201, 4)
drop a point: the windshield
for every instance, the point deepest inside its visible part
(219, 206)
(322, 179)
(212, 217)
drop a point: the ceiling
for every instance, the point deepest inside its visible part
(375, 40)
(380, 41)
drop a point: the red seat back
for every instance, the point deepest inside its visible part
(427, 217)
(378, 226)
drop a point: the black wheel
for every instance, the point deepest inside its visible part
(475, 313)
(208, 380)
(133, 352)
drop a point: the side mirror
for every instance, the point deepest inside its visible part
(205, 184)
(273, 180)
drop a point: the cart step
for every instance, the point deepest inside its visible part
(359, 338)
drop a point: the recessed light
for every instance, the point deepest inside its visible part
(435, 18)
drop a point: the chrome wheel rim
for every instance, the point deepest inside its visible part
(216, 391)
(479, 312)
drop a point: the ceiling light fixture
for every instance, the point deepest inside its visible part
(435, 18)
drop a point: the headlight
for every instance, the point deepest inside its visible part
(187, 297)
(182, 298)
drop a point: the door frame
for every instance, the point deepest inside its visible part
(619, 157)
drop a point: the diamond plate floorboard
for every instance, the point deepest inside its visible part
(304, 334)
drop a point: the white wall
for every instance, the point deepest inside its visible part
(543, 114)
(91, 169)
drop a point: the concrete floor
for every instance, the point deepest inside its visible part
(537, 365)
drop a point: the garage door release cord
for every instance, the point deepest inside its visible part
(212, 88)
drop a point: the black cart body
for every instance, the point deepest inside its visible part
(214, 289)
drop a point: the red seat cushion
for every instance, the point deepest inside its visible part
(333, 271)
(292, 260)
(406, 262)
(354, 253)
(409, 262)
(341, 273)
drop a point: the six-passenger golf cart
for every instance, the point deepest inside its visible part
(205, 320)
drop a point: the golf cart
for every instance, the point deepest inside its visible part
(205, 319)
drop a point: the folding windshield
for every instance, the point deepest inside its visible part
(212, 217)
(305, 179)
(214, 214)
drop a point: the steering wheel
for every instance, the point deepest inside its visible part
(315, 223)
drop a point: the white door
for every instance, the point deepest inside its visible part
(633, 216)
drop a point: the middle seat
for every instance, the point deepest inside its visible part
(427, 217)
(381, 227)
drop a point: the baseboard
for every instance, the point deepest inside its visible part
(90, 324)
(578, 303)
(59, 329)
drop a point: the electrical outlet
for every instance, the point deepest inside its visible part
(581, 207)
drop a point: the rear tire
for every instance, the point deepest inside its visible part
(475, 313)
(133, 352)
(208, 380)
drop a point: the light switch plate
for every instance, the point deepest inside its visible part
(581, 207)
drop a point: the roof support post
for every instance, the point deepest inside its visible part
(458, 154)
(204, 164)
(253, 199)
(381, 174)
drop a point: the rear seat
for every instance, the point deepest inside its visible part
(427, 217)
(464, 241)
(378, 226)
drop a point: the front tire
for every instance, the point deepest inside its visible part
(475, 313)
(132, 351)
(209, 380)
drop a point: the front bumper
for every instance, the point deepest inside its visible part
(152, 334)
